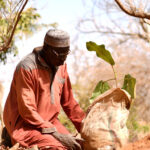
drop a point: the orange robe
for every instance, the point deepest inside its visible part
(34, 102)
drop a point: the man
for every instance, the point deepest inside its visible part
(39, 88)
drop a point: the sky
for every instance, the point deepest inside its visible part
(64, 12)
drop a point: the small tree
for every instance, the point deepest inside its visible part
(102, 86)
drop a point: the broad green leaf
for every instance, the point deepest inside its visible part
(129, 85)
(100, 52)
(100, 88)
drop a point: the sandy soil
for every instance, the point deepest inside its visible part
(143, 144)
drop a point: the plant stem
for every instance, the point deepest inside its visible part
(110, 79)
(115, 76)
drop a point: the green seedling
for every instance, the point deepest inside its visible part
(102, 86)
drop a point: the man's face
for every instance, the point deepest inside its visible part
(56, 56)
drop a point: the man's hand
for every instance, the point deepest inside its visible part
(68, 140)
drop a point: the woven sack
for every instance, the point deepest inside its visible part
(104, 127)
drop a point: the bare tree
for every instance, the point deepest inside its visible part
(106, 18)
(139, 9)
(134, 8)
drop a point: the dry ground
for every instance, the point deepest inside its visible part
(143, 144)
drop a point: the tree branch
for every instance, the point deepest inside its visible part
(138, 14)
(7, 45)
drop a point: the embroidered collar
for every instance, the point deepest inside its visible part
(42, 62)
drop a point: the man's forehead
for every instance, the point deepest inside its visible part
(58, 49)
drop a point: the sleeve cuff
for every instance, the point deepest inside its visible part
(49, 130)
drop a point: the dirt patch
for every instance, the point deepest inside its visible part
(143, 144)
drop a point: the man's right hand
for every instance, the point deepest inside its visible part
(68, 140)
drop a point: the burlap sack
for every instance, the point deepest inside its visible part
(104, 127)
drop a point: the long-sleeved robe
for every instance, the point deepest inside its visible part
(34, 102)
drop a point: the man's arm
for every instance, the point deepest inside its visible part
(26, 99)
(69, 104)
